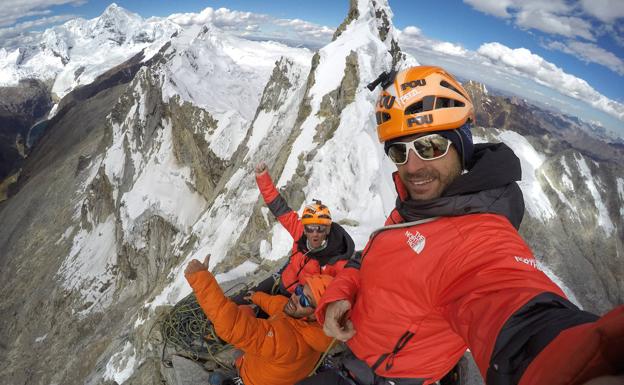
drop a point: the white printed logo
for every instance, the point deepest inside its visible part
(409, 95)
(527, 261)
(415, 241)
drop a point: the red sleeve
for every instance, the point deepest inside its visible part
(278, 206)
(581, 353)
(289, 275)
(344, 286)
(486, 279)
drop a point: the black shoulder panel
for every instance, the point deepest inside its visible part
(279, 206)
(527, 332)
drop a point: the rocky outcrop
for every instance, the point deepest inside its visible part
(555, 132)
(21, 107)
(582, 241)
(189, 127)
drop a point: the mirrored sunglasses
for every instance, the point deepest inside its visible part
(303, 299)
(427, 147)
(314, 228)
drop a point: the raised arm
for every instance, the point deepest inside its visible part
(276, 203)
(237, 327)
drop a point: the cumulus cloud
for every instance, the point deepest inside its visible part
(221, 17)
(558, 17)
(255, 24)
(14, 10)
(553, 23)
(604, 10)
(307, 28)
(523, 62)
(590, 53)
(411, 30)
(19, 33)
(449, 49)
(496, 8)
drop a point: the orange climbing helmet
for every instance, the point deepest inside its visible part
(420, 99)
(316, 214)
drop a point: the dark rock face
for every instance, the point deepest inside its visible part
(583, 242)
(557, 132)
(20, 108)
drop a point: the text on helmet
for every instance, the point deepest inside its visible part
(419, 120)
(413, 84)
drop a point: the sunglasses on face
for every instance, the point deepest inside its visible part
(303, 299)
(427, 147)
(314, 228)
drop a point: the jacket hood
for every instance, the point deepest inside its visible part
(489, 186)
(340, 246)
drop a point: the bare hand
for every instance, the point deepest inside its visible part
(248, 296)
(195, 266)
(337, 324)
(261, 168)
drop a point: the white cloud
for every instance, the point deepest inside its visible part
(10, 32)
(449, 49)
(496, 8)
(559, 17)
(604, 10)
(552, 23)
(13, 10)
(255, 24)
(524, 62)
(307, 28)
(411, 30)
(221, 17)
(590, 53)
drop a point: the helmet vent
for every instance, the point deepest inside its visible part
(448, 103)
(448, 85)
(382, 117)
(425, 104)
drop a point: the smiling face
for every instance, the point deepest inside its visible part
(427, 179)
(294, 308)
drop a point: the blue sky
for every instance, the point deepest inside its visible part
(544, 49)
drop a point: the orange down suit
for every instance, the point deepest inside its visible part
(280, 350)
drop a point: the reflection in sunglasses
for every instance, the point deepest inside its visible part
(314, 228)
(303, 299)
(429, 147)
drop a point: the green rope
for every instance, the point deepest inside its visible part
(191, 333)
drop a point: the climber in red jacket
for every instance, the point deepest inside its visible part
(320, 245)
(449, 271)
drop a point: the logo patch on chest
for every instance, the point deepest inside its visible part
(415, 241)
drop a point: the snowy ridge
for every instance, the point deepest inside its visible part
(537, 203)
(76, 52)
(341, 172)
(224, 75)
(603, 219)
(219, 228)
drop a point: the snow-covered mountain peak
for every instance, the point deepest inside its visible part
(79, 50)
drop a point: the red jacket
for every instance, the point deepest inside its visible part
(302, 263)
(445, 284)
(280, 350)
